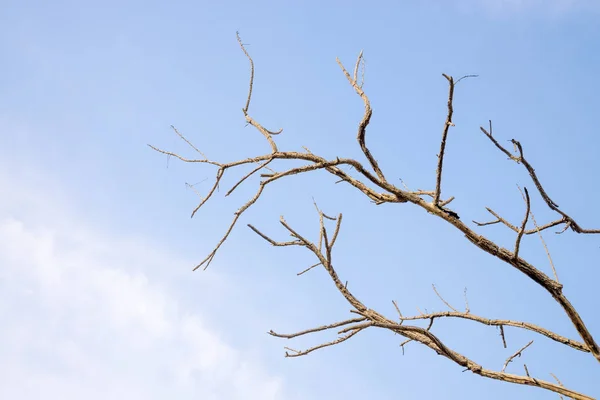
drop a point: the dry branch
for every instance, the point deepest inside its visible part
(501, 323)
(516, 354)
(443, 300)
(520, 159)
(523, 224)
(379, 190)
(447, 124)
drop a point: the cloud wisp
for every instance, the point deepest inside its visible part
(84, 316)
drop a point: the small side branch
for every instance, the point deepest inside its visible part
(502, 336)
(298, 353)
(266, 133)
(317, 329)
(523, 224)
(516, 354)
(208, 260)
(188, 142)
(447, 124)
(248, 175)
(499, 219)
(445, 302)
(545, 246)
(362, 126)
(501, 323)
(520, 159)
(275, 243)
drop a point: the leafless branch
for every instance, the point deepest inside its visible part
(501, 323)
(333, 342)
(545, 246)
(421, 335)
(520, 159)
(362, 126)
(499, 219)
(442, 299)
(308, 269)
(266, 133)
(376, 188)
(187, 141)
(558, 381)
(273, 242)
(467, 310)
(447, 124)
(523, 224)
(318, 329)
(261, 166)
(517, 353)
(502, 336)
(527, 371)
(398, 310)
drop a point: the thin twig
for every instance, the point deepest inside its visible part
(499, 219)
(558, 381)
(249, 174)
(447, 124)
(317, 329)
(332, 343)
(517, 353)
(308, 269)
(398, 310)
(545, 246)
(362, 126)
(441, 298)
(187, 141)
(523, 224)
(266, 133)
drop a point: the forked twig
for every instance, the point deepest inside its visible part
(516, 354)
(362, 126)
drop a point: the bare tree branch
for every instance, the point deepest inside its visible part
(442, 299)
(379, 190)
(318, 329)
(297, 353)
(501, 323)
(523, 224)
(499, 219)
(421, 335)
(266, 133)
(517, 353)
(520, 159)
(447, 124)
(503, 336)
(362, 126)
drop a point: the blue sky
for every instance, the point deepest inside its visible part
(97, 294)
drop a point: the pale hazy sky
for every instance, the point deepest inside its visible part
(97, 297)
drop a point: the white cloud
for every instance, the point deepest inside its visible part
(84, 316)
